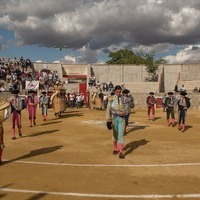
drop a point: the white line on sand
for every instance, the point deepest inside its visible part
(107, 165)
(151, 196)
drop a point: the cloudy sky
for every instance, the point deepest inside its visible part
(86, 30)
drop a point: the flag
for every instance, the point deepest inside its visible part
(32, 85)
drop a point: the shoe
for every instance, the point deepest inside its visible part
(13, 138)
(179, 128)
(115, 152)
(31, 125)
(121, 155)
(34, 124)
(20, 134)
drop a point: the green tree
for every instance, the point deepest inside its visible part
(125, 56)
(152, 66)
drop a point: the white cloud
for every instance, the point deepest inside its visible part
(188, 55)
(70, 59)
(103, 25)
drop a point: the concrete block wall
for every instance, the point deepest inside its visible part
(171, 73)
(77, 69)
(118, 73)
(142, 87)
(190, 72)
(134, 77)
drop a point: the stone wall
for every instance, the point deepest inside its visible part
(190, 72)
(77, 69)
(119, 73)
(133, 77)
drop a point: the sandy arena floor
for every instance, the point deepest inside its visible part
(71, 158)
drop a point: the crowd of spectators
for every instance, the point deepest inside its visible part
(196, 89)
(12, 71)
(15, 72)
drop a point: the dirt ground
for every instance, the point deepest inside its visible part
(71, 158)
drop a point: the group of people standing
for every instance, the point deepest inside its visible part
(170, 105)
(119, 108)
(18, 103)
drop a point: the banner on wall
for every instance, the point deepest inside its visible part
(32, 85)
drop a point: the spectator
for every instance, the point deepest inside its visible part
(105, 87)
(105, 100)
(196, 89)
(78, 101)
(110, 86)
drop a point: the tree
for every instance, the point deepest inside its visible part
(125, 56)
(152, 66)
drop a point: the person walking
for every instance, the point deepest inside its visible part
(110, 86)
(78, 101)
(151, 101)
(44, 103)
(105, 100)
(32, 102)
(115, 113)
(82, 99)
(129, 104)
(170, 103)
(16, 107)
(183, 105)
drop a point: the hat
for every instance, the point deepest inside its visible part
(170, 93)
(31, 91)
(15, 91)
(125, 91)
(151, 93)
(183, 93)
(109, 125)
(44, 92)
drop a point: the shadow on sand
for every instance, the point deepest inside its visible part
(134, 145)
(135, 128)
(41, 133)
(36, 152)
